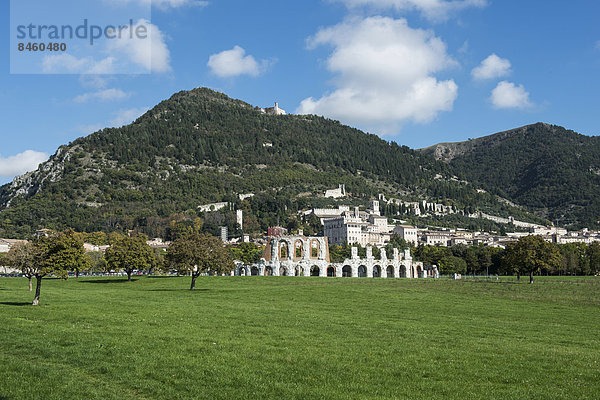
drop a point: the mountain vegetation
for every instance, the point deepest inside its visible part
(199, 147)
(552, 171)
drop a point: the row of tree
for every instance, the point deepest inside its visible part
(528, 256)
(60, 253)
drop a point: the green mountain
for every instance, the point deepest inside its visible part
(201, 146)
(552, 171)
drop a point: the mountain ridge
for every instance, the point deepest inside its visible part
(201, 146)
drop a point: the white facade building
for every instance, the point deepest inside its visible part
(355, 227)
(408, 233)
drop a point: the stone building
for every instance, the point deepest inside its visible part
(336, 193)
(356, 227)
(408, 233)
(309, 256)
(274, 110)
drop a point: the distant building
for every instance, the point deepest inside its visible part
(240, 218)
(274, 110)
(224, 234)
(276, 231)
(356, 227)
(213, 207)
(7, 244)
(336, 193)
(408, 233)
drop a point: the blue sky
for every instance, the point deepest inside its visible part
(417, 72)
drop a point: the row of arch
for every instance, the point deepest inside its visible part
(332, 271)
(297, 251)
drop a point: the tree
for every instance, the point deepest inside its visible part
(129, 254)
(531, 254)
(56, 254)
(248, 253)
(452, 265)
(199, 253)
(594, 257)
(22, 256)
(97, 261)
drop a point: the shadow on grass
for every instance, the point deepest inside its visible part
(162, 277)
(14, 304)
(179, 290)
(108, 280)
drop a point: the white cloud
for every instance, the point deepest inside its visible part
(69, 64)
(161, 4)
(235, 62)
(151, 52)
(21, 163)
(93, 81)
(491, 68)
(435, 10)
(124, 117)
(509, 95)
(384, 74)
(102, 95)
(164, 4)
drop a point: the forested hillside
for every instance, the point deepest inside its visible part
(553, 171)
(201, 146)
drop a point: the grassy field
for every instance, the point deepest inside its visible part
(300, 338)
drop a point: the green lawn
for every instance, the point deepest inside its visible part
(300, 338)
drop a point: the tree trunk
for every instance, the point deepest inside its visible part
(531, 277)
(38, 287)
(518, 276)
(76, 273)
(129, 275)
(193, 287)
(30, 286)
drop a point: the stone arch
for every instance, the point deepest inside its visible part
(298, 250)
(376, 271)
(283, 271)
(268, 271)
(242, 271)
(298, 271)
(284, 251)
(390, 271)
(315, 249)
(403, 271)
(331, 271)
(420, 272)
(254, 271)
(315, 270)
(362, 271)
(347, 271)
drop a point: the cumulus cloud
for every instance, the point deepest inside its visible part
(69, 64)
(21, 163)
(235, 62)
(150, 53)
(435, 10)
(103, 95)
(491, 68)
(124, 117)
(164, 4)
(509, 95)
(384, 74)
(125, 54)
(93, 81)
(161, 4)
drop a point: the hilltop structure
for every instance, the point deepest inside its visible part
(273, 110)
